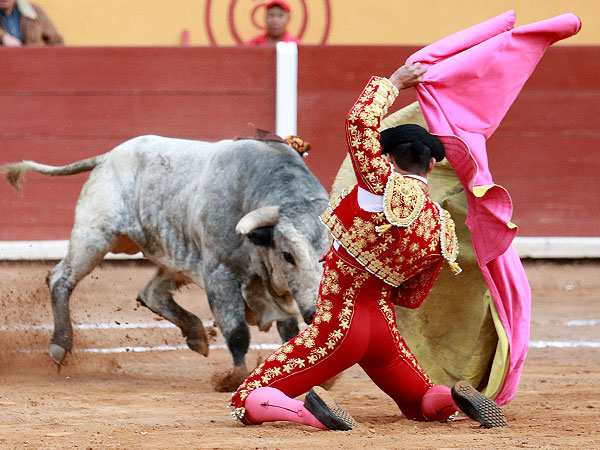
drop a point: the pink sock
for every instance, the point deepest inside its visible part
(437, 403)
(268, 404)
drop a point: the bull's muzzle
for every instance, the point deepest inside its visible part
(308, 316)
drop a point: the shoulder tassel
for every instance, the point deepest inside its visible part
(454, 267)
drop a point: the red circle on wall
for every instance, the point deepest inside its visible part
(258, 6)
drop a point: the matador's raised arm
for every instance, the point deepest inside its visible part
(362, 134)
(362, 125)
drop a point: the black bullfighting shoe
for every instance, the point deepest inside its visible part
(477, 406)
(322, 405)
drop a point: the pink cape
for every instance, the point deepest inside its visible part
(472, 78)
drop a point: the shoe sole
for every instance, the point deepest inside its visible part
(322, 405)
(477, 406)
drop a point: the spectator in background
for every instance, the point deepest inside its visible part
(26, 24)
(277, 18)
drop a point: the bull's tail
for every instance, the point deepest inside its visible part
(14, 172)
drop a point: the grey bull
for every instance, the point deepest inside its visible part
(239, 217)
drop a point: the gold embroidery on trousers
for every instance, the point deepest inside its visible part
(308, 338)
(390, 317)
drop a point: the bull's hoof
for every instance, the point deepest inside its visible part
(230, 380)
(198, 345)
(58, 354)
(196, 338)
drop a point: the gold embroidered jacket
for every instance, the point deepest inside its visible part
(407, 243)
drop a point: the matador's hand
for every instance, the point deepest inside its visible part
(408, 75)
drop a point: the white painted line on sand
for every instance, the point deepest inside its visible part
(166, 324)
(166, 348)
(564, 344)
(159, 348)
(269, 346)
(582, 323)
(98, 326)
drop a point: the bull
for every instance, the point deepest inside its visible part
(240, 217)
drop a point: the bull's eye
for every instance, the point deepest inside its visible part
(289, 258)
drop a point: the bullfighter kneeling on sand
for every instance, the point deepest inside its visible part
(390, 241)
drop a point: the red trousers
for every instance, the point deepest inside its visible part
(354, 323)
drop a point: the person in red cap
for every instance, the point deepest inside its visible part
(277, 18)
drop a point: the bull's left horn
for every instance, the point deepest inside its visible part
(266, 216)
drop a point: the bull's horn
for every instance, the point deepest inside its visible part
(261, 217)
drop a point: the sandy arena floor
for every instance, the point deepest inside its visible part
(164, 399)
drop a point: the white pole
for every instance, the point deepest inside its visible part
(286, 108)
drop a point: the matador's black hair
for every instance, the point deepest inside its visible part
(411, 146)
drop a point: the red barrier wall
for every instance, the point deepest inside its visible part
(63, 104)
(544, 152)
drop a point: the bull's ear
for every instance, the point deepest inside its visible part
(262, 236)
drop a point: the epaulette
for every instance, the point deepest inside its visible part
(448, 240)
(403, 201)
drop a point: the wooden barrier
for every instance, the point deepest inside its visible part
(64, 104)
(544, 151)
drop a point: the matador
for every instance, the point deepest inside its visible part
(390, 241)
